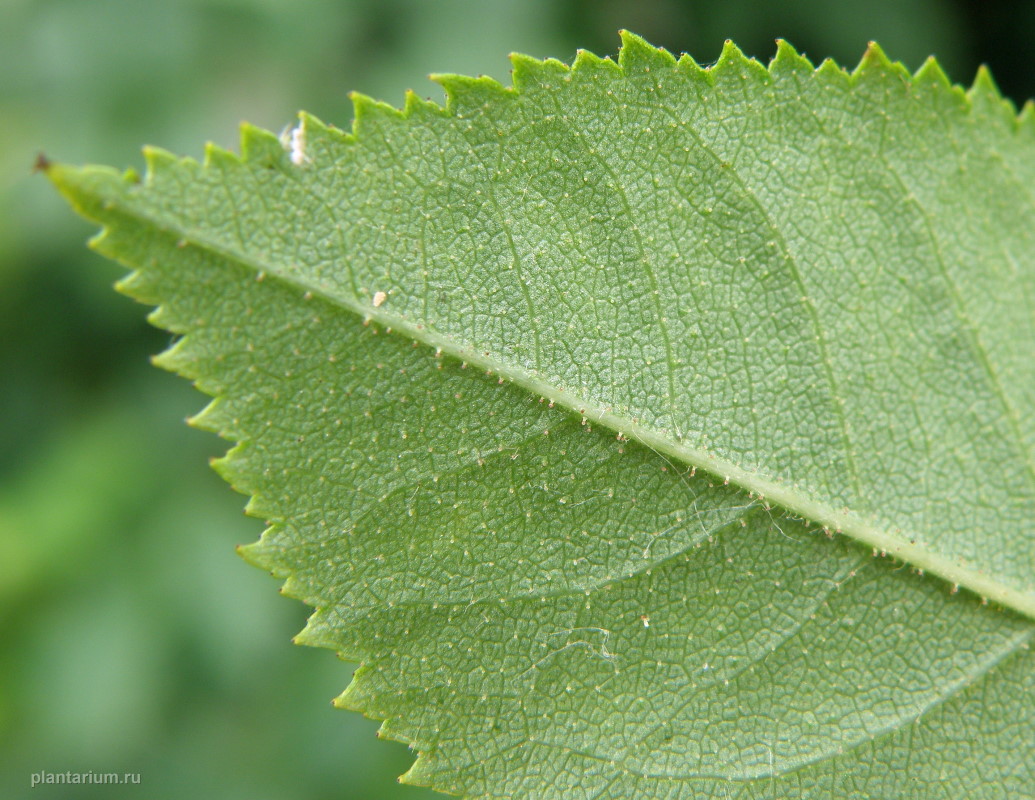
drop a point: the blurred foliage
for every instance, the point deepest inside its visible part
(134, 639)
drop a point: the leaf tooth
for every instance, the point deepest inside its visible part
(175, 358)
(368, 112)
(159, 163)
(399, 729)
(689, 67)
(932, 73)
(731, 57)
(638, 55)
(1026, 119)
(228, 468)
(236, 469)
(140, 286)
(258, 144)
(166, 171)
(216, 156)
(986, 98)
(295, 587)
(267, 553)
(877, 64)
(833, 74)
(321, 137)
(215, 418)
(530, 73)
(351, 699)
(258, 554)
(319, 632)
(416, 107)
(588, 62)
(984, 83)
(753, 68)
(106, 242)
(420, 773)
(874, 57)
(466, 95)
(301, 143)
(788, 60)
(734, 66)
(258, 505)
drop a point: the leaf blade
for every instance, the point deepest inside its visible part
(394, 685)
(757, 440)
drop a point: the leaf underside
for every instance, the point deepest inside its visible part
(802, 299)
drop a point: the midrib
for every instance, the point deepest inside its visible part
(821, 514)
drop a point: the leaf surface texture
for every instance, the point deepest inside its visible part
(635, 333)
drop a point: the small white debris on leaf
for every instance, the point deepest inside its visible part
(379, 298)
(296, 144)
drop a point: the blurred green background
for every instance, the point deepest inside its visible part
(133, 638)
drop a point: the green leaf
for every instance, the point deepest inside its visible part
(632, 335)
